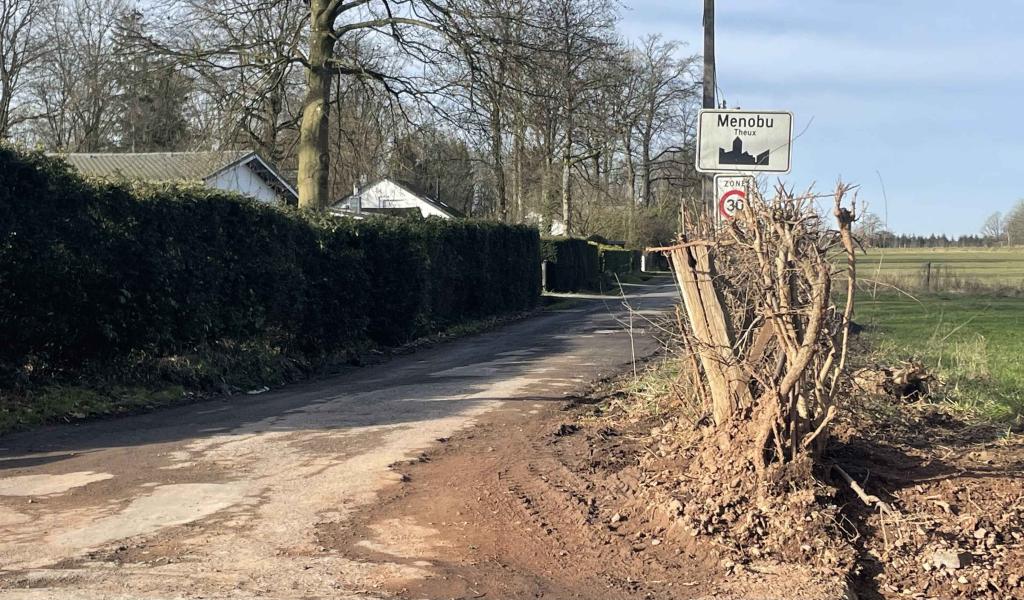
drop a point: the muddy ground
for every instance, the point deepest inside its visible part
(957, 487)
(551, 507)
(570, 504)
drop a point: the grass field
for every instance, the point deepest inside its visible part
(989, 266)
(970, 335)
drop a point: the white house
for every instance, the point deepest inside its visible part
(387, 196)
(555, 227)
(241, 172)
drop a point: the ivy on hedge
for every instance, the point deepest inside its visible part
(90, 271)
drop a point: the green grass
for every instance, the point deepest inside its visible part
(66, 403)
(973, 342)
(988, 266)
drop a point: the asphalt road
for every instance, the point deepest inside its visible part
(224, 499)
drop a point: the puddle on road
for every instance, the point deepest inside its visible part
(167, 506)
(45, 485)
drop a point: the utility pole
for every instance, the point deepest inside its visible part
(707, 181)
(709, 54)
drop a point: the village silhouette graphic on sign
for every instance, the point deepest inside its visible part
(737, 156)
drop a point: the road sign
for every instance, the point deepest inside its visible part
(743, 141)
(731, 193)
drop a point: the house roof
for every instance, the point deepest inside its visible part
(154, 166)
(175, 166)
(452, 212)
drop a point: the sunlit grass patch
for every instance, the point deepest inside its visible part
(973, 342)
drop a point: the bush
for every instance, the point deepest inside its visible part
(618, 261)
(90, 272)
(573, 264)
(439, 273)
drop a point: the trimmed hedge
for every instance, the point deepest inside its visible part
(94, 271)
(577, 264)
(619, 261)
(573, 264)
(439, 273)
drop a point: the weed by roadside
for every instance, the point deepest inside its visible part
(64, 403)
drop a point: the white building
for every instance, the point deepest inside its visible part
(555, 226)
(241, 172)
(390, 197)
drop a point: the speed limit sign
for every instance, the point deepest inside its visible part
(731, 192)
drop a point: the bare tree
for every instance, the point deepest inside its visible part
(23, 43)
(667, 94)
(332, 24)
(869, 229)
(578, 37)
(77, 87)
(246, 55)
(1014, 224)
(487, 71)
(994, 227)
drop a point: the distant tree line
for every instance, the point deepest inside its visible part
(516, 110)
(886, 239)
(997, 230)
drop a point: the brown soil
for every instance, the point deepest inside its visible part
(572, 502)
(554, 505)
(958, 489)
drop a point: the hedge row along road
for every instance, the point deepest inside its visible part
(229, 498)
(93, 274)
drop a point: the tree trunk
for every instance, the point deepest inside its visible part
(567, 186)
(630, 169)
(645, 178)
(6, 95)
(314, 162)
(517, 171)
(646, 141)
(272, 105)
(630, 189)
(498, 163)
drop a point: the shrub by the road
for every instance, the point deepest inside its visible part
(577, 264)
(93, 273)
(618, 261)
(573, 264)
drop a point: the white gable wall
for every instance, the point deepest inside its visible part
(243, 180)
(387, 194)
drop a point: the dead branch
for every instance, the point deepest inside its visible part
(771, 347)
(868, 499)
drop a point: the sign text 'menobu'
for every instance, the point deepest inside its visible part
(733, 121)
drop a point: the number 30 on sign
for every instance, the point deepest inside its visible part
(731, 193)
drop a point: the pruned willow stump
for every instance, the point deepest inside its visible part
(771, 344)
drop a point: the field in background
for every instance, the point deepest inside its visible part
(951, 268)
(964, 319)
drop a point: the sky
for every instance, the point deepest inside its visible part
(921, 99)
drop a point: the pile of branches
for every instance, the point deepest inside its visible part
(767, 348)
(771, 344)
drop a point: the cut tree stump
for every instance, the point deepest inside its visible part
(693, 265)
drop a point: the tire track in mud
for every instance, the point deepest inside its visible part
(519, 512)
